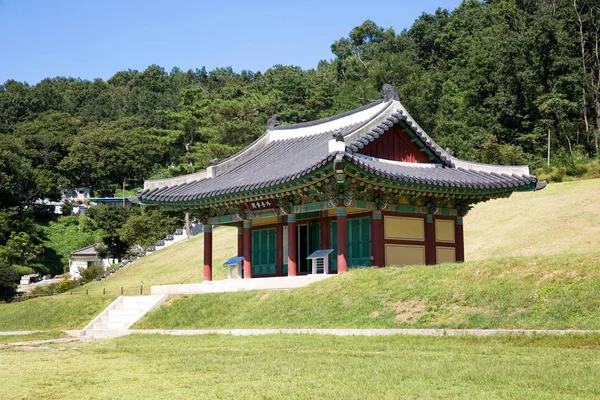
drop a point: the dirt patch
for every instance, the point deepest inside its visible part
(375, 314)
(552, 274)
(468, 309)
(264, 296)
(519, 311)
(407, 310)
(502, 274)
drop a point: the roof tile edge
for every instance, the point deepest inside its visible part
(177, 180)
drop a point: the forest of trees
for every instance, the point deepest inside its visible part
(496, 81)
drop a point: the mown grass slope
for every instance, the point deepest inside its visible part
(306, 367)
(52, 313)
(562, 218)
(551, 292)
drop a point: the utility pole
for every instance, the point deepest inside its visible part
(548, 147)
(123, 193)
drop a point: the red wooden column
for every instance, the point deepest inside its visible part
(247, 249)
(208, 252)
(377, 249)
(240, 252)
(430, 240)
(460, 240)
(324, 229)
(342, 240)
(292, 245)
(279, 247)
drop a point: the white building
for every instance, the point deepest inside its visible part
(84, 258)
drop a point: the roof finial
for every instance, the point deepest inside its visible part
(390, 92)
(273, 122)
(338, 136)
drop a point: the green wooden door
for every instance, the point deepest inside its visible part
(314, 237)
(263, 251)
(359, 242)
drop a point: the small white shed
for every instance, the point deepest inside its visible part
(83, 259)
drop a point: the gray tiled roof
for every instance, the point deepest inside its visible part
(289, 152)
(278, 162)
(432, 174)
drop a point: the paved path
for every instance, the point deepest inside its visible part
(365, 332)
(73, 333)
(39, 342)
(341, 332)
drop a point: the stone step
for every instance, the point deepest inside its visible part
(110, 325)
(103, 333)
(135, 306)
(115, 319)
(137, 299)
(119, 318)
(124, 313)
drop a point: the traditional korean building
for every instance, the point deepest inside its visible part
(369, 184)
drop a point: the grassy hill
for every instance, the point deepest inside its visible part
(52, 313)
(545, 292)
(563, 218)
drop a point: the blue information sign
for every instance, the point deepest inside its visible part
(320, 254)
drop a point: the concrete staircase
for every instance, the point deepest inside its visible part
(120, 315)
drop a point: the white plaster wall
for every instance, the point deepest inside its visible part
(79, 264)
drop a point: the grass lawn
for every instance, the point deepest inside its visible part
(555, 292)
(274, 367)
(180, 263)
(5, 339)
(52, 313)
(562, 218)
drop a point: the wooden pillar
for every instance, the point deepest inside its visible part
(460, 240)
(377, 239)
(240, 245)
(292, 245)
(279, 247)
(342, 240)
(208, 252)
(247, 249)
(429, 240)
(324, 221)
(325, 234)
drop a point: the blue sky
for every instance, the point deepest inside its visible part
(95, 39)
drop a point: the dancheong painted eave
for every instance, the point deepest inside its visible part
(286, 155)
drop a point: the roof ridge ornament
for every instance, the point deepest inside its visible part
(273, 122)
(390, 93)
(338, 136)
(337, 144)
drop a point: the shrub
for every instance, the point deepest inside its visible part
(65, 285)
(54, 288)
(91, 273)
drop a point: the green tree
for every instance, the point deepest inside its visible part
(149, 226)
